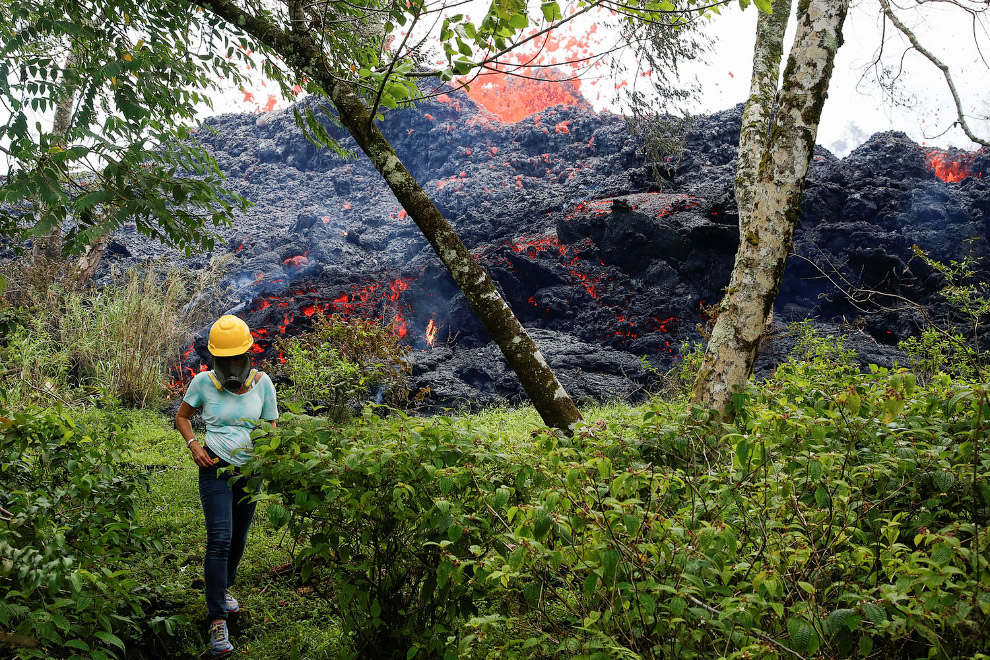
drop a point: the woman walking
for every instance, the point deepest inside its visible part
(233, 398)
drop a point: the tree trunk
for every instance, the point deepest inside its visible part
(550, 399)
(770, 203)
(88, 263)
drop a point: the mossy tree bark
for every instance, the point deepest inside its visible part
(775, 151)
(302, 53)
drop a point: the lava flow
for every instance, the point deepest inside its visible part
(951, 167)
(512, 99)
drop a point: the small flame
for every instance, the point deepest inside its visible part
(431, 332)
(298, 262)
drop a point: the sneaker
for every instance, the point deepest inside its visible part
(219, 639)
(230, 605)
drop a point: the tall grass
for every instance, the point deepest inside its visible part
(122, 338)
(116, 343)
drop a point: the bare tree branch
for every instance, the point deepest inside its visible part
(944, 68)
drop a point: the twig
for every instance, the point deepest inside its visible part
(44, 391)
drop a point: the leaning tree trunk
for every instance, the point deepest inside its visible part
(771, 189)
(298, 50)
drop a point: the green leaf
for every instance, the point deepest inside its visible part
(109, 638)
(454, 532)
(376, 609)
(551, 13)
(815, 470)
(800, 632)
(765, 6)
(516, 557)
(411, 653)
(876, 614)
(590, 585)
(837, 620)
(742, 452)
(943, 480)
(950, 405)
(519, 21)
(610, 560)
(542, 524)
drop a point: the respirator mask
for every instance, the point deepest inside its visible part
(233, 371)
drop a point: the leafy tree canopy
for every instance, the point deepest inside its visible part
(137, 73)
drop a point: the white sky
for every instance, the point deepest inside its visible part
(856, 107)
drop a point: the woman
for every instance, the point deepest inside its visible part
(233, 397)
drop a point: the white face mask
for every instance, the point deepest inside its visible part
(233, 371)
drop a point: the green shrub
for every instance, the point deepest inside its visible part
(835, 517)
(935, 351)
(34, 368)
(123, 338)
(393, 516)
(342, 364)
(950, 344)
(841, 513)
(67, 539)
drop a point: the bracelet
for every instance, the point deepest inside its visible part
(189, 442)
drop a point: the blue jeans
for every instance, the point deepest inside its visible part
(228, 509)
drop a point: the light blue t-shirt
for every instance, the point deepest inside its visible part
(230, 417)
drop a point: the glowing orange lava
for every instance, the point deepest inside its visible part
(512, 99)
(298, 262)
(953, 166)
(399, 326)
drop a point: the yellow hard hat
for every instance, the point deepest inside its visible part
(230, 336)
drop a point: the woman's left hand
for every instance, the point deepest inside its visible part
(200, 456)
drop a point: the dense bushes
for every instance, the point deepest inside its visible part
(67, 538)
(111, 345)
(840, 514)
(389, 513)
(342, 364)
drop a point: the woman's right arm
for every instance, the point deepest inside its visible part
(184, 426)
